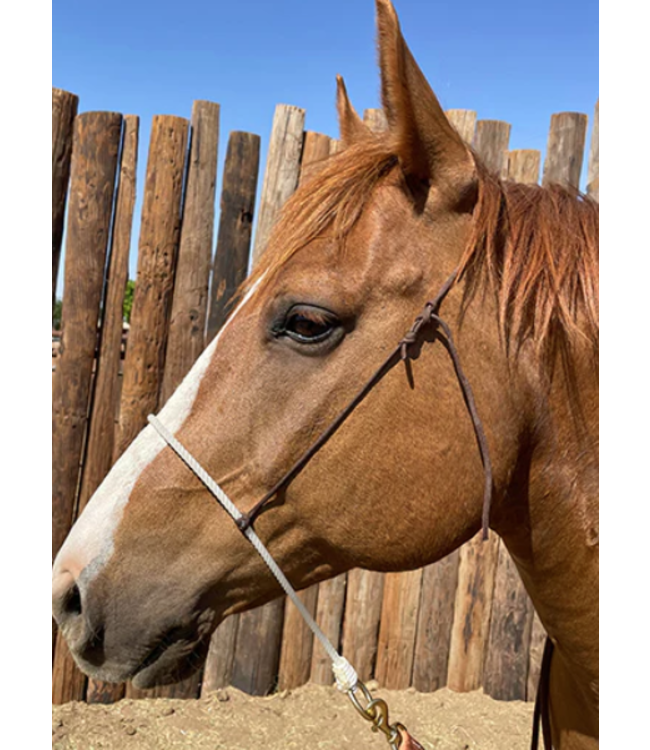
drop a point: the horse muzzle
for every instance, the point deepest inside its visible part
(118, 643)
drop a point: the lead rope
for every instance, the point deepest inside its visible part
(375, 710)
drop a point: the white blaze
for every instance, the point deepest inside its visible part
(90, 542)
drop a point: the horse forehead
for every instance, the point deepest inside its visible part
(90, 543)
(381, 250)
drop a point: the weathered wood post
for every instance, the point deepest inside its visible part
(523, 166)
(186, 337)
(94, 164)
(565, 149)
(64, 110)
(464, 120)
(101, 436)
(399, 619)
(157, 251)
(593, 166)
(282, 170)
(235, 225)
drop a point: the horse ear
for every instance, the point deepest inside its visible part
(428, 146)
(350, 124)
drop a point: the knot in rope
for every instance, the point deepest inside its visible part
(411, 336)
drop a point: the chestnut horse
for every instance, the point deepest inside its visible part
(154, 564)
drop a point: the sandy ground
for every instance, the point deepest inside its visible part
(311, 717)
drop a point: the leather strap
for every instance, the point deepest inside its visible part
(408, 742)
(542, 713)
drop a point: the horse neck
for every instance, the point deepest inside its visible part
(552, 522)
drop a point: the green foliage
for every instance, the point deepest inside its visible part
(56, 315)
(128, 300)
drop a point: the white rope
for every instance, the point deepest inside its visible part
(344, 672)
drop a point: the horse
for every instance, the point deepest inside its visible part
(153, 565)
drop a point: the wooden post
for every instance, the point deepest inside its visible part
(363, 604)
(375, 119)
(565, 149)
(186, 689)
(69, 682)
(464, 120)
(297, 638)
(257, 652)
(101, 436)
(435, 618)
(218, 669)
(472, 610)
(316, 148)
(64, 110)
(158, 246)
(491, 143)
(329, 616)
(94, 164)
(96, 145)
(592, 167)
(186, 337)
(399, 617)
(535, 652)
(235, 225)
(523, 166)
(282, 170)
(104, 692)
(506, 660)
(297, 642)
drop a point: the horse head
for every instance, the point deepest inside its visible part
(154, 564)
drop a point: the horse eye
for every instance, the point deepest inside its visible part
(309, 325)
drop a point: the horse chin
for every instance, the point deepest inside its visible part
(172, 664)
(165, 663)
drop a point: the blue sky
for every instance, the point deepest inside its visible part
(507, 59)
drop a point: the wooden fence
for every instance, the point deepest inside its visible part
(466, 621)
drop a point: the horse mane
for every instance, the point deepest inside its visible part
(536, 247)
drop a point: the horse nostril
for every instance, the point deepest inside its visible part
(72, 601)
(66, 598)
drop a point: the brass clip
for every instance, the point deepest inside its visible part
(376, 712)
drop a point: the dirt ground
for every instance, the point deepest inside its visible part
(311, 717)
